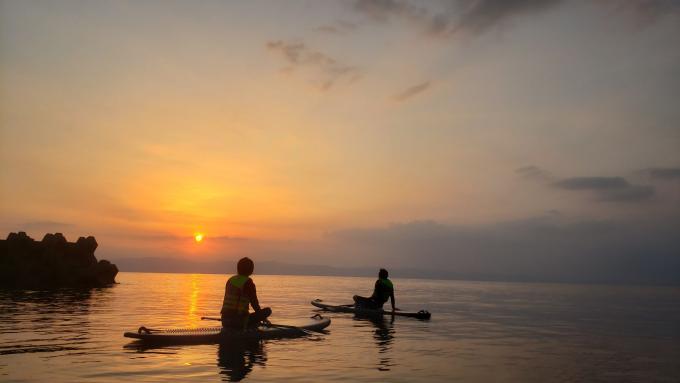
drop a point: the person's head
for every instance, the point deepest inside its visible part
(383, 274)
(245, 266)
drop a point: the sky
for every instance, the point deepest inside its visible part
(513, 139)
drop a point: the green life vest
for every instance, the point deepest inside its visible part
(234, 300)
(387, 283)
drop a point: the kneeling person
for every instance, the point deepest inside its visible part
(239, 293)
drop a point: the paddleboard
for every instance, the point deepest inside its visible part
(422, 314)
(207, 335)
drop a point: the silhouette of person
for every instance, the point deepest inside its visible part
(383, 290)
(240, 293)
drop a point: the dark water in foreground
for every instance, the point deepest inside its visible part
(479, 332)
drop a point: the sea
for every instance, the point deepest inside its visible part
(479, 332)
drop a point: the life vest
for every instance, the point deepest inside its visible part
(234, 299)
(387, 283)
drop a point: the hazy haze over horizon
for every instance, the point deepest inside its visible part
(518, 138)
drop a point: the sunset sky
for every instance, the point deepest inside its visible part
(530, 137)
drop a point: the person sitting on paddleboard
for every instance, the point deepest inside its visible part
(238, 295)
(384, 290)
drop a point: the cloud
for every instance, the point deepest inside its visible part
(543, 248)
(612, 189)
(330, 29)
(337, 28)
(38, 225)
(382, 10)
(468, 16)
(645, 11)
(605, 189)
(550, 247)
(227, 238)
(474, 17)
(592, 183)
(173, 237)
(327, 70)
(535, 173)
(631, 193)
(478, 16)
(411, 91)
(663, 173)
(43, 227)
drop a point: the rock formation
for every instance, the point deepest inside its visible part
(52, 262)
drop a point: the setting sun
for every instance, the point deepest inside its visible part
(198, 237)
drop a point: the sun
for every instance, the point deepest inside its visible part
(198, 237)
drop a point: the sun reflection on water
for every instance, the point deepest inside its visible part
(194, 318)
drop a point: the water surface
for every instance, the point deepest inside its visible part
(479, 332)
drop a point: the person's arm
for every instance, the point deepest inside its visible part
(392, 299)
(251, 292)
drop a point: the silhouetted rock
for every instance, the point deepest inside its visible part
(52, 262)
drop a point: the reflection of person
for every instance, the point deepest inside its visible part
(384, 290)
(236, 360)
(238, 295)
(384, 336)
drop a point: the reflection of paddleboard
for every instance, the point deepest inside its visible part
(422, 314)
(217, 335)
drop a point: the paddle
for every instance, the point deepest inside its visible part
(270, 325)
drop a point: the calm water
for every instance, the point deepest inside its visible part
(479, 332)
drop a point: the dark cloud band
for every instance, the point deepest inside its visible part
(664, 173)
(474, 17)
(613, 189)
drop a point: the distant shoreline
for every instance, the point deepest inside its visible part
(181, 266)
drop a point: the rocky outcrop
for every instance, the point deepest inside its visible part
(52, 262)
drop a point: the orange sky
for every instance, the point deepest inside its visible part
(143, 123)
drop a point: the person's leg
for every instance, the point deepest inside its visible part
(363, 302)
(255, 318)
(232, 322)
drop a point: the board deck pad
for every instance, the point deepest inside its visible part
(217, 335)
(349, 308)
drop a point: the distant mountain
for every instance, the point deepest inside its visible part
(180, 265)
